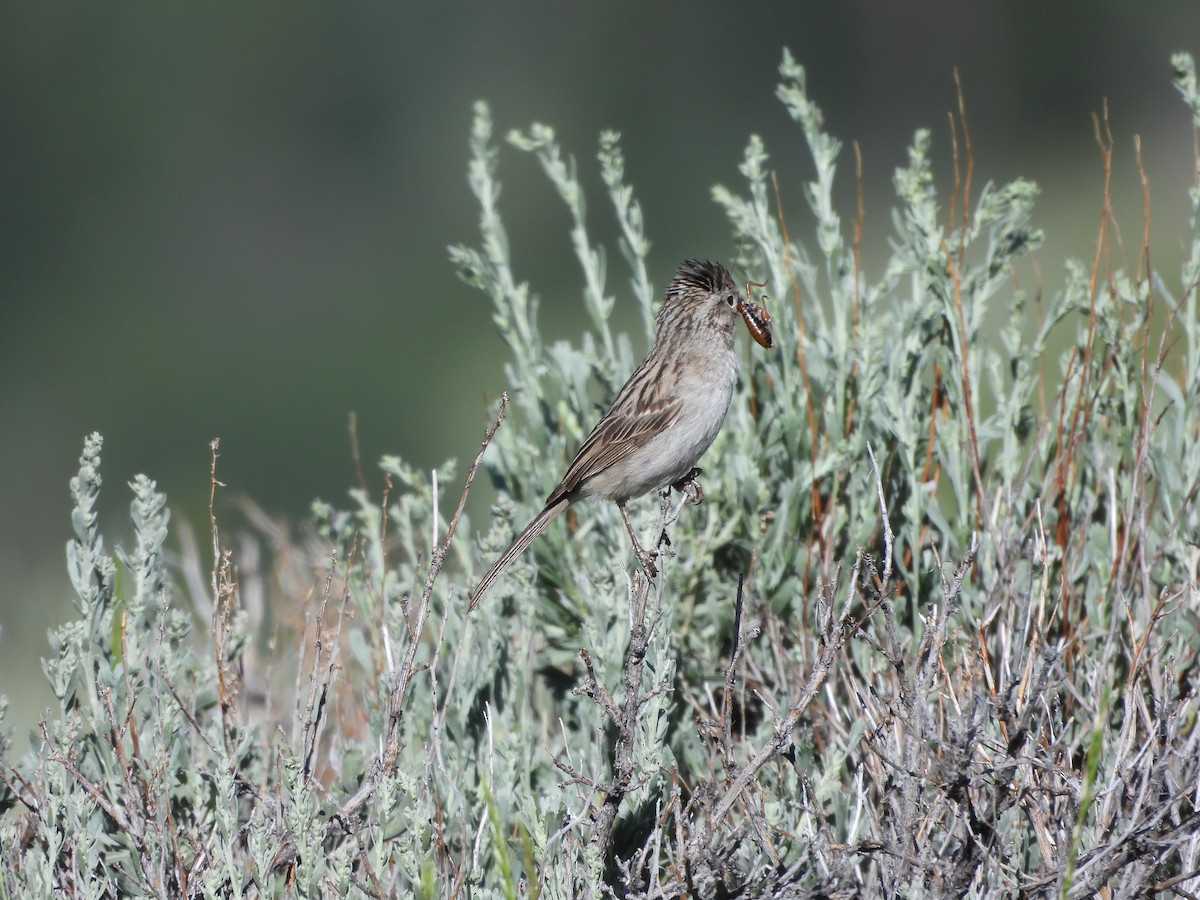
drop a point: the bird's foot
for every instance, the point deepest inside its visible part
(645, 557)
(646, 560)
(689, 484)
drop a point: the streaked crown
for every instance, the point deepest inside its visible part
(702, 276)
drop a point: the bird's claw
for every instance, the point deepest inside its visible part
(646, 559)
(689, 484)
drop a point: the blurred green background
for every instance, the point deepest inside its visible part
(231, 220)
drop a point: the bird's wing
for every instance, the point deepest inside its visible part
(626, 427)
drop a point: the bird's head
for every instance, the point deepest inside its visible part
(703, 294)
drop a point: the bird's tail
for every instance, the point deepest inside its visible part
(519, 545)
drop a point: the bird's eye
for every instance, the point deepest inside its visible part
(730, 301)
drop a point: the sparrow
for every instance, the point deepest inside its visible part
(668, 412)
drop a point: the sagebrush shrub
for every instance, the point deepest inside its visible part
(933, 631)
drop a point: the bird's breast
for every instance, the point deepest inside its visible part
(704, 385)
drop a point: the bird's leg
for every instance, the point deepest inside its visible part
(690, 484)
(645, 557)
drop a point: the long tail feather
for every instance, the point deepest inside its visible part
(519, 545)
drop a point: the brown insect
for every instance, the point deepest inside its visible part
(756, 317)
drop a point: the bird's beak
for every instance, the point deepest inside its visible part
(758, 322)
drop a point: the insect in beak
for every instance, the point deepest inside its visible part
(756, 317)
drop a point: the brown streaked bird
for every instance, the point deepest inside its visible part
(668, 412)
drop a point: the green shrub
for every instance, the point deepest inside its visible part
(933, 631)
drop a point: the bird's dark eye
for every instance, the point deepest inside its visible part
(730, 301)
